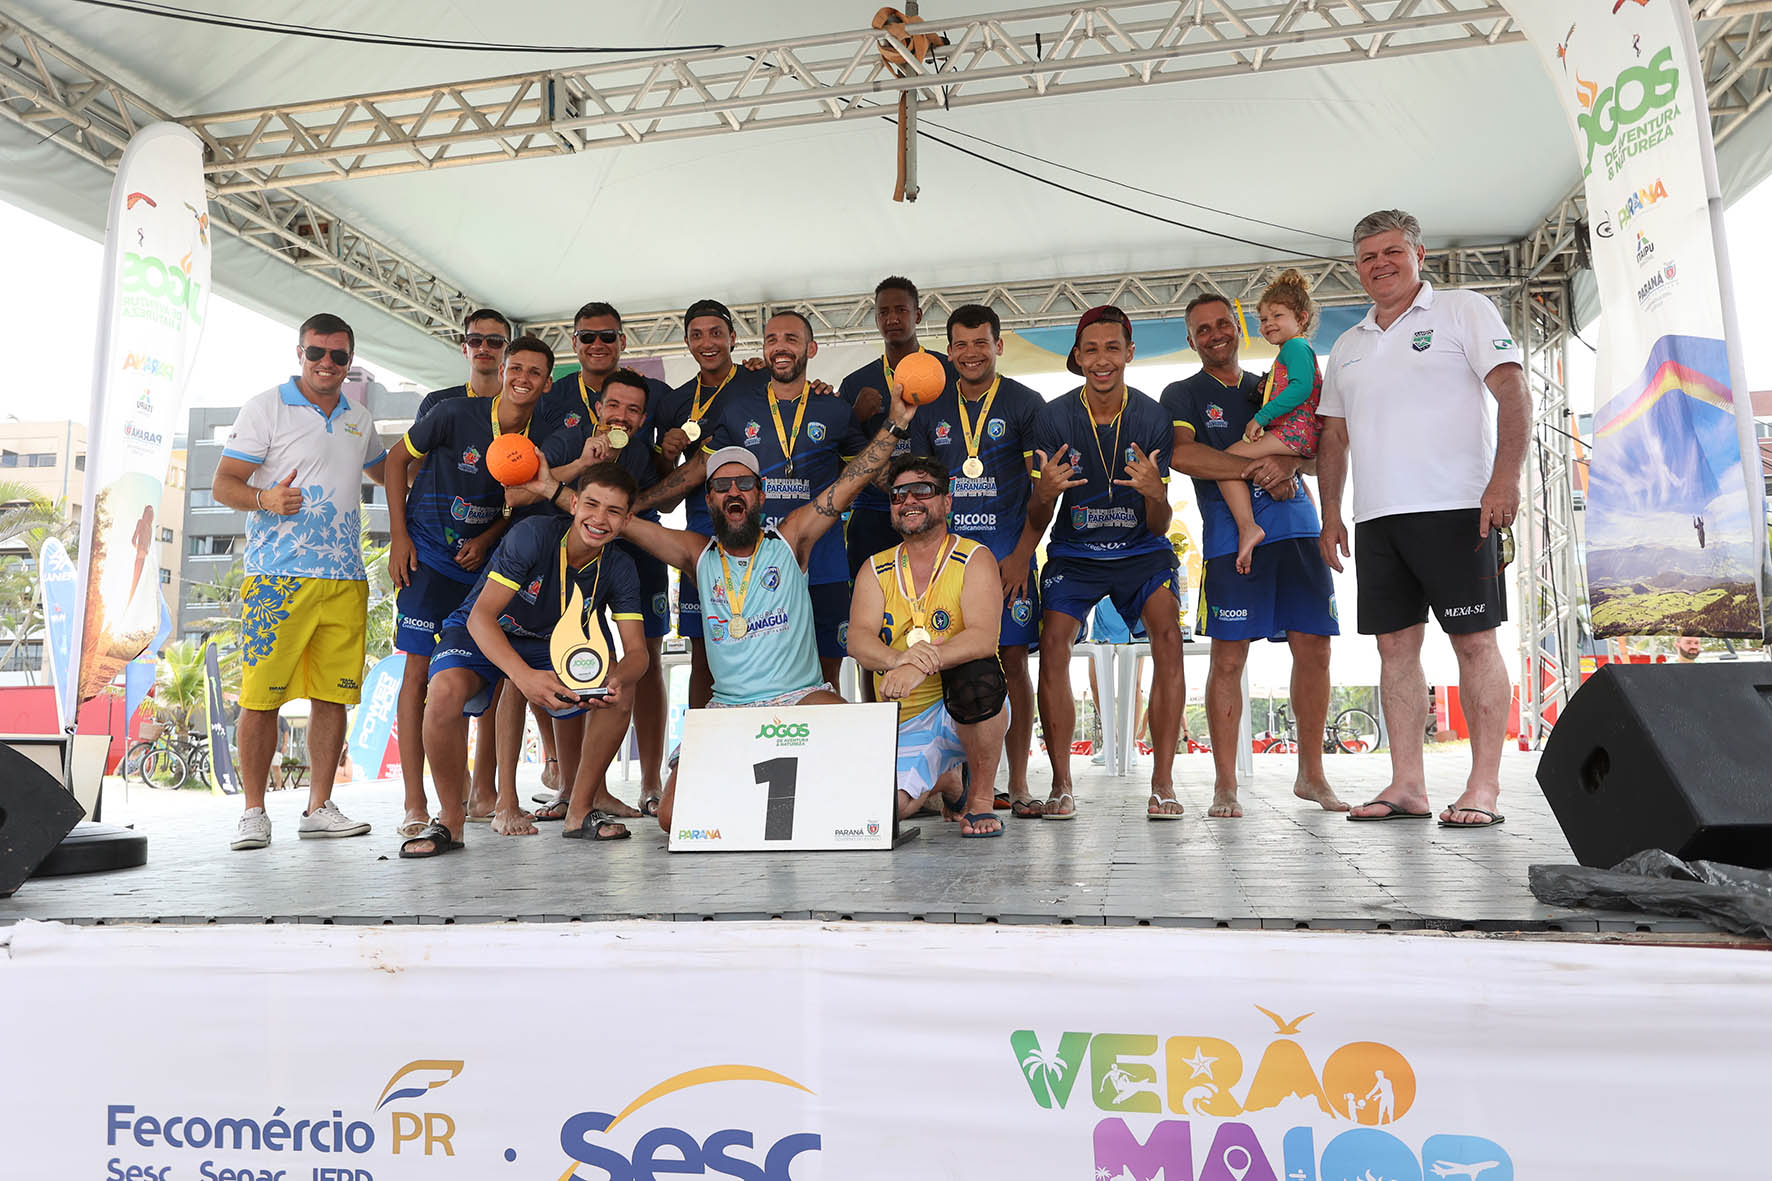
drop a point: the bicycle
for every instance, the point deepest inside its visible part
(1353, 731)
(167, 761)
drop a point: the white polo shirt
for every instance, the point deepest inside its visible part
(1420, 421)
(283, 432)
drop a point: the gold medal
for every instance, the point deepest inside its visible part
(972, 432)
(692, 430)
(917, 635)
(737, 627)
(973, 467)
(618, 438)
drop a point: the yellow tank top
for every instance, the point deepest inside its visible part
(938, 608)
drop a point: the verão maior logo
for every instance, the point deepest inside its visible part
(1368, 1086)
(591, 1139)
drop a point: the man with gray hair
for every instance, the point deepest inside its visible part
(1432, 521)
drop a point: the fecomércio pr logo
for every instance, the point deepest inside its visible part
(318, 1141)
(1181, 1106)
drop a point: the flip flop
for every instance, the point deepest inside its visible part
(1157, 799)
(1494, 817)
(974, 818)
(1392, 812)
(1002, 802)
(1046, 812)
(594, 823)
(411, 828)
(442, 841)
(650, 805)
(486, 819)
(553, 811)
(1027, 809)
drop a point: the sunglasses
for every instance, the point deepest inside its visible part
(922, 490)
(720, 484)
(474, 340)
(339, 356)
(606, 335)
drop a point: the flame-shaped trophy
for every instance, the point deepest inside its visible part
(580, 654)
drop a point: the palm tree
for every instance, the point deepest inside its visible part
(29, 517)
(178, 687)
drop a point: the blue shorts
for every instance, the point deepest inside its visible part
(1106, 627)
(655, 590)
(1072, 586)
(830, 619)
(1287, 589)
(456, 649)
(688, 607)
(867, 532)
(422, 605)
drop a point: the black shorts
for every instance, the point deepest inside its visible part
(1409, 562)
(867, 532)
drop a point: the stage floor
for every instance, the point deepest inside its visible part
(1285, 864)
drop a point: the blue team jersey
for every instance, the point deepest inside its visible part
(674, 410)
(828, 438)
(436, 398)
(564, 421)
(873, 376)
(453, 498)
(1099, 519)
(1217, 415)
(993, 508)
(530, 558)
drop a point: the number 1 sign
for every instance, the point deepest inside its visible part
(806, 777)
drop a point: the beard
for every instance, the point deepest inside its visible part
(741, 536)
(798, 371)
(918, 527)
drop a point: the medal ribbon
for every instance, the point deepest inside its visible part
(735, 597)
(967, 430)
(887, 367)
(495, 431)
(1095, 434)
(789, 441)
(590, 599)
(697, 407)
(907, 580)
(585, 397)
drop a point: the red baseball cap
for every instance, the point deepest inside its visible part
(1096, 315)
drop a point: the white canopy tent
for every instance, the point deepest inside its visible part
(353, 173)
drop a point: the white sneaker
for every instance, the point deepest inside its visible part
(254, 830)
(328, 821)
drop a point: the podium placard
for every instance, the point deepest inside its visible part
(805, 777)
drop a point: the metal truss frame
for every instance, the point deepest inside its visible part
(984, 59)
(1551, 587)
(1040, 303)
(93, 116)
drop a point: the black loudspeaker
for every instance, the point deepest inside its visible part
(1665, 756)
(36, 812)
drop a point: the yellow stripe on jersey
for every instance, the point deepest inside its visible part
(495, 576)
(407, 439)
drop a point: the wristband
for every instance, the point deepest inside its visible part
(259, 498)
(555, 495)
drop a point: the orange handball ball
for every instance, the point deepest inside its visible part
(922, 377)
(512, 459)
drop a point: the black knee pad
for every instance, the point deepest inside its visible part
(975, 691)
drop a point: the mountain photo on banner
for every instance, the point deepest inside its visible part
(1671, 541)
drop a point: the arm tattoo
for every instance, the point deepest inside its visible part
(668, 489)
(861, 470)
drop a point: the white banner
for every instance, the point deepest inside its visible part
(798, 1051)
(151, 306)
(1676, 526)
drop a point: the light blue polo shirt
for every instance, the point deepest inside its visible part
(283, 432)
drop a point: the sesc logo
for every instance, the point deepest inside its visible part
(727, 1152)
